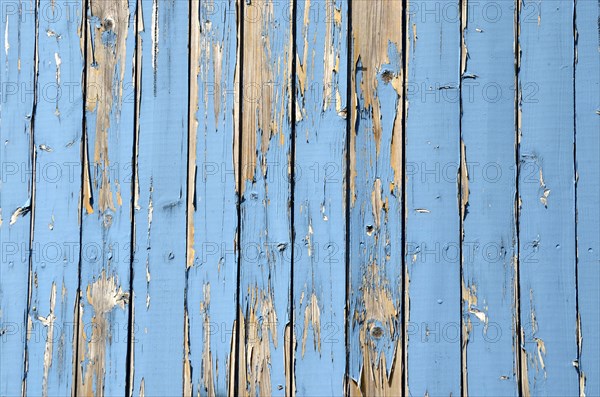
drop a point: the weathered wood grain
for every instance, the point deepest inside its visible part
(546, 189)
(106, 212)
(265, 189)
(587, 139)
(375, 315)
(17, 81)
(321, 197)
(488, 188)
(319, 354)
(160, 215)
(432, 217)
(54, 281)
(212, 201)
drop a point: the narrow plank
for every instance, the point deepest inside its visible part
(17, 76)
(160, 216)
(265, 240)
(55, 253)
(546, 188)
(488, 189)
(433, 50)
(319, 355)
(106, 213)
(212, 204)
(587, 127)
(375, 317)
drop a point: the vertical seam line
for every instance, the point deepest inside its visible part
(349, 103)
(240, 180)
(76, 336)
(134, 185)
(292, 196)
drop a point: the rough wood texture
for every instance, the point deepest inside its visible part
(376, 200)
(546, 188)
(18, 66)
(587, 172)
(319, 195)
(106, 212)
(433, 152)
(212, 201)
(488, 175)
(52, 322)
(299, 197)
(265, 189)
(159, 263)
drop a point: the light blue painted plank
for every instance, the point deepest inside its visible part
(17, 69)
(319, 194)
(265, 242)
(106, 214)
(432, 224)
(375, 315)
(587, 134)
(160, 221)
(56, 233)
(212, 279)
(546, 188)
(488, 175)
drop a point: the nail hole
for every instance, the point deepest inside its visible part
(108, 24)
(377, 332)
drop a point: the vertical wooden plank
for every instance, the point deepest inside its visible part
(56, 231)
(432, 216)
(376, 202)
(587, 119)
(17, 79)
(546, 188)
(212, 204)
(319, 193)
(265, 242)
(488, 197)
(106, 217)
(160, 216)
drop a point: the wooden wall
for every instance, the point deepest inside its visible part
(300, 197)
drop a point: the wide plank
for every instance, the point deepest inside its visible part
(159, 262)
(319, 281)
(212, 199)
(587, 168)
(265, 197)
(53, 316)
(433, 51)
(488, 189)
(18, 60)
(546, 186)
(106, 213)
(376, 295)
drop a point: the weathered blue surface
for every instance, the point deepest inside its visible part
(471, 134)
(489, 241)
(547, 199)
(54, 276)
(17, 70)
(160, 215)
(212, 277)
(319, 194)
(266, 229)
(587, 138)
(106, 210)
(376, 201)
(432, 224)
